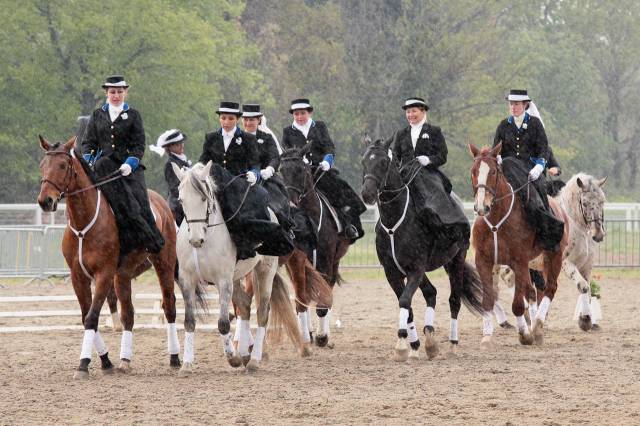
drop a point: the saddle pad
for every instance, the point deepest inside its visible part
(334, 214)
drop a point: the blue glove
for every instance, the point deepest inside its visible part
(87, 157)
(133, 163)
(329, 159)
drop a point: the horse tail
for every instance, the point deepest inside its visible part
(201, 298)
(472, 289)
(318, 288)
(282, 313)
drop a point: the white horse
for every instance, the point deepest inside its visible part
(207, 255)
(582, 199)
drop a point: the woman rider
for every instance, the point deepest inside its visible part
(234, 153)
(420, 149)
(115, 143)
(173, 141)
(524, 156)
(342, 197)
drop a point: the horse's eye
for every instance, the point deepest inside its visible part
(204, 199)
(63, 166)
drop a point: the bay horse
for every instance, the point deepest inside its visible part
(91, 249)
(206, 255)
(331, 246)
(406, 251)
(502, 236)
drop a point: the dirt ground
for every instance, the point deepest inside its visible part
(575, 377)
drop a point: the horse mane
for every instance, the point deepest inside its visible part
(571, 187)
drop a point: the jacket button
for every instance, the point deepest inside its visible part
(224, 161)
(112, 126)
(113, 146)
(112, 136)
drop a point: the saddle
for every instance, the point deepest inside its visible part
(324, 203)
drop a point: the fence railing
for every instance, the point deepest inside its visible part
(34, 251)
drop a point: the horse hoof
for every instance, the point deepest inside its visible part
(584, 322)
(235, 361)
(401, 355)
(186, 369)
(124, 367)
(414, 355)
(506, 325)
(538, 332)
(107, 371)
(525, 339)
(174, 361)
(486, 343)
(306, 350)
(431, 346)
(81, 375)
(453, 351)
(596, 327)
(322, 341)
(252, 366)
(265, 357)
(246, 359)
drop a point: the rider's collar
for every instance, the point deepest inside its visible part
(125, 107)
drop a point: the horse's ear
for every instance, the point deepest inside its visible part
(178, 171)
(44, 143)
(207, 169)
(366, 140)
(496, 150)
(601, 182)
(388, 143)
(580, 183)
(71, 143)
(305, 150)
(473, 150)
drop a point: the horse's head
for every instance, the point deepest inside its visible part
(296, 173)
(196, 195)
(56, 169)
(376, 162)
(590, 201)
(484, 177)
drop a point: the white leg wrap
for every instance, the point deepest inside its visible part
(526, 303)
(98, 343)
(543, 309)
(309, 324)
(189, 339)
(87, 344)
(257, 346)
(533, 310)
(413, 333)
(236, 335)
(323, 325)
(227, 346)
(173, 346)
(429, 316)
(596, 310)
(243, 342)
(403, 317)
(126, 345)
(522, 324)
(453, 330)
(304, 329)
(487, 324)
(498, 311)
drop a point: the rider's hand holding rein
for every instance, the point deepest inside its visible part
(423, 160)
(535, 172)
(252, 178)
(267, 172)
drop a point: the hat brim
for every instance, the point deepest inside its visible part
(518, 98)
(417, 104)
(109, 86)
(252, 114)
(309, 108)
(225, 111)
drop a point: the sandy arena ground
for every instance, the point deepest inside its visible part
(575, 377)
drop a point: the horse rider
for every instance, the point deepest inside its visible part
(524, 156)
(306, 131)
(114, 143)
(172, 141)
(420, 150)
(234, 153)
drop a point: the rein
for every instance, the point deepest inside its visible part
(300, 191)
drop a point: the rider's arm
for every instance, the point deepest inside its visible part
(206, 156)
(136, 145)
(251, 153)
(272, 152)
(437, 148)
(90, 145)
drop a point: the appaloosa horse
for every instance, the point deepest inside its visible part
(406, 251)
(331, 246)
(502, 236)
(91, 249)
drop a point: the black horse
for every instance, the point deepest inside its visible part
(330, 247)
(407, 251)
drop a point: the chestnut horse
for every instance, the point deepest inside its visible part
(91, 249)
(502, 236)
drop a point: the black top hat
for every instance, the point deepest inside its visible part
(115, 81)
(251, 110)
(300, 104)
(229, 108)
(518, 95)
(415, 102)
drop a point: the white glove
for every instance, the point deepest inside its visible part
(267, 172)
(423, 160)
(125, 169)
(535, 173)
(251, 178)
(324, 165)
(499, 158)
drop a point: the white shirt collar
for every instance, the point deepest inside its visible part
(519, 120)
(114, 111)
(415, 131)
(228, 137)
(305, 128)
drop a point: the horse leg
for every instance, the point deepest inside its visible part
(242, 302)
(552, 267)
(501, 274)
(485, 271)
(112, 299)
(523, 287)
(583, 309)
(455, 270)
(429, 292)
(401, 353)
(264, 273)
(91, 320)
(404, 301)
(225, 289)
(122, 285)
(594, 305)
(297, 272)
(165, 272)
(188, 289)
(322, 333)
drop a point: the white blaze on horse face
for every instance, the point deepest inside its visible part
(483, 173)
